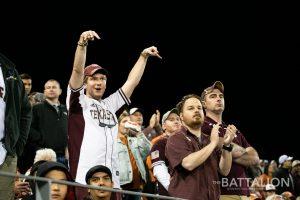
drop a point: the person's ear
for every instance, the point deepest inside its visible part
(203, 104)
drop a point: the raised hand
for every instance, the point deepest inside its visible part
(151, 51)
(152, 121)
(230, 134)
(214, 136)
(87, 36)
(157, 118)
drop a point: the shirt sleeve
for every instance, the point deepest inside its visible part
(157, 153)
(116, 100)
(243, 142)
(25, 121)
(73, 101)
(177, 149)
(161, 173)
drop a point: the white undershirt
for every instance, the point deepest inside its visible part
(2, 116)
(160, 171)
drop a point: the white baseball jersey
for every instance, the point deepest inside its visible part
(93, 130)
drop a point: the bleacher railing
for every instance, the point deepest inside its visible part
(43, 191)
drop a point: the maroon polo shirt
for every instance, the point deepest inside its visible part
(157, 154)
(200, 183)
(236, 182)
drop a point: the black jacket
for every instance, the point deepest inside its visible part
(49, 128)
(17, 111)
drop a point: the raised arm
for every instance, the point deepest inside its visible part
(76, 80)
(137, 71)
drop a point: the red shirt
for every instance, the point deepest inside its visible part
(200, 183)
(236, 182)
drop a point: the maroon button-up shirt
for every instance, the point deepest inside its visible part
(236, 182)
(200, 183)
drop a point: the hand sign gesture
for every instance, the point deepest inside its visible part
(87, 36)
(151, 51)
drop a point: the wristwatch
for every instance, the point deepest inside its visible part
(228, 148)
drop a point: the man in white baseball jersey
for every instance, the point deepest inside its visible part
(92, 125)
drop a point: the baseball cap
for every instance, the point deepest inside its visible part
(167, 114)
(133, 110)
(48, 166)
(93, 68)
(270, 187)
(217, 85)
(284, 158)
(295, 162)
(95, 169)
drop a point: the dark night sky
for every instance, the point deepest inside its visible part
(252, 49)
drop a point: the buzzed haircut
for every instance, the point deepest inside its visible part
(53, 80)
(179, 105)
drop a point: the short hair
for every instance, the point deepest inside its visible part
(85, 79)
(123, 115)
(181, 103)
(45, 154)
(53, 80)
(25, 76)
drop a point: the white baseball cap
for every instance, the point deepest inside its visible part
(167, 114)
(284, 158)
(295, 162)
(270, 187)
(133, 110)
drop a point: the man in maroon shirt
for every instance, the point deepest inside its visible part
(236, 184)
(193, 157)
(171, 124)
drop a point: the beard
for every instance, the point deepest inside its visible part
(195, 122)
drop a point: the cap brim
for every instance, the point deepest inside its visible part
(133, 110)
(173, 110)
(95, 169)
(289, 158)
(100, 71)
